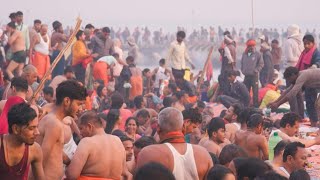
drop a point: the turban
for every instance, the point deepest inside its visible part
(251, 42)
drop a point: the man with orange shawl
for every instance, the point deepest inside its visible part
(100, 68)
(81, 57)
(39, 51)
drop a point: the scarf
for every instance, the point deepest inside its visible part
(305, 59)
(173, 137)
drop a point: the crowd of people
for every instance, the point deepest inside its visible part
(101, 116)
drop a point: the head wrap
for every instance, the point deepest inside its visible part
(251, 42)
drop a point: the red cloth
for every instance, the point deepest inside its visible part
(174, 137)
(13, 100)
(305, 59)
(251, 42)
(100, 71)
(263, 91)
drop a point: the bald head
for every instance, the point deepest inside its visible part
(170, 119)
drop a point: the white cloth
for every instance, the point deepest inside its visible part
(294, 46)
(284, 171)
(110, 60)
(118, 67)
(70, 148)
(42, 47)
(160, 75)
(184, 165)
(237, 125)
(178, 55)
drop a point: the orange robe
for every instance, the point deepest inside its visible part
(100, 71)
(137, 87)
(41, 62)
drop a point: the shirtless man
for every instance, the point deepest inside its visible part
(57, 40)
(18, 47)
(232, 115)
(99, 155)
(70, 96)
(18, 150)
(289, 127)
(252, 141)
(216, 131)
(195, 162)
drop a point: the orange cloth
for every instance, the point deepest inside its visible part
(88, 103)
(100, 71)
(79, 52)
(173, 137)
(192, 99)
(137, 87)
(92, 178)
(251, 42)
(41, 62)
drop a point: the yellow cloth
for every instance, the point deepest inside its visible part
(268, 98)
(187, 74)
(79, 52)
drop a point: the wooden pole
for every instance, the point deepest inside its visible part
(205, 67)
(55, 62)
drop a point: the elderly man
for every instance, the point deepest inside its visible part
(187, 166)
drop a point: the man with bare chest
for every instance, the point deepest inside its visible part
(99, 155)
(70, 96)
(252, 141)
(18, 47)
(57, 41)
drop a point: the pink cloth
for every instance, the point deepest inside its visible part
(305, 59)
(13, 100)
(124, 114)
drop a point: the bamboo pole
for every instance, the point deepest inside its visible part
(55, 62)
(205, 67)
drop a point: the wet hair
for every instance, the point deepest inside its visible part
(89, 26)
(125, 138)
(71, 89)
(12, 25)
(68, 69)
(214, 158)
(99, 90)
(37, 21)
(214, 125)
(237, 109)
(226, 33)
(137, 101)
(181, 34)
(290, 71)
(79, 34)
(173, 87)
(112, 118)
(118, 133)
(91, 116)
(192, 115)
(144, 141)
(271, 176)
(48, 90)
(275, 41)
(167, 102)
(280, 147)
(291, 150)
(289, 118)
(116, 101)
(143, 113)
(229, 152)
(162, 61)
(20, 115)
(247, 113)
(299, 174)
(99, 81)
(254, 121)
(106, 30)
(218, 172)
(232, 73)
(132, 118)
(20, 83)
(154, 171)
(251, 168)
(308, 38)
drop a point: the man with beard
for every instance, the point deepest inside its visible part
(69, 97)
(18, 150)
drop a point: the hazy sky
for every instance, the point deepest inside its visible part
(168, 13)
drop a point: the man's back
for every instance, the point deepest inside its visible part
(251, 142)
(105, 158)
(202, 158)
